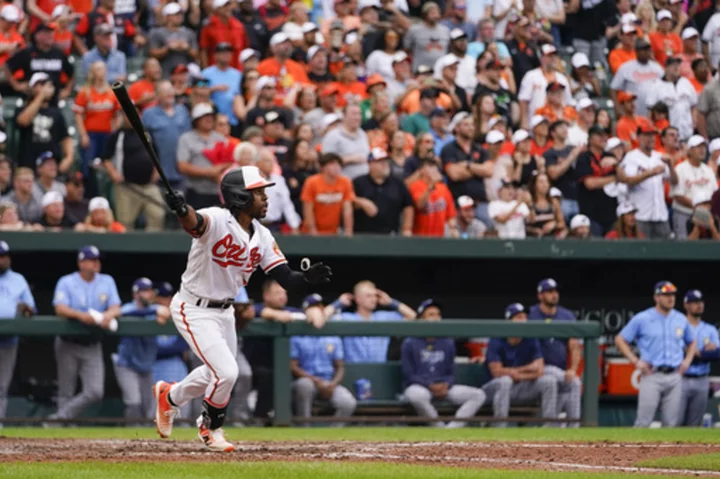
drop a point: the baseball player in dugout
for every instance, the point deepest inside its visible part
(666, 347)
(428, 369)
(516, 366)
(561, 356)
(228, 245)
(695, 382)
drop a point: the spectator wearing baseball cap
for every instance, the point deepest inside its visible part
(504, 360)
(434, 204)
(583, 82)
(644, 170)
(700, 74)
(555, 108)
(490, 81)
(439, 124)
(629, 122)
(328, 198)
(634, 76)
(695, 383)
(350, 89)
(9, 36)
(419, 121)
(560, 161)
(173, 44)
(47, 171)
(664, 41)
(446, 73)
(287, 72)
(469, 227)
(678, 93)
(275, 13)
(626, 224)
(318, 66)
(524, 162)
(540, 137)
(428, 369)
(522, 44)
(661, 358)
(76, 205)
(100, 218)
(427, 40)
(694, 178)
(532, 91)
(54, 217)
(625, 51)
(106, 51)
(222, 27)
(508, 213)
(703, 224)
(225, 84)
(690, 53)
(580, 227)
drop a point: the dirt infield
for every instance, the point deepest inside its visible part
(599, 456)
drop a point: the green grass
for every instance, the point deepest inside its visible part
(273, 470)
(375, 434)
(698, 462)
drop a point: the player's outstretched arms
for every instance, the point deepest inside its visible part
(191, 221)
(297, 281)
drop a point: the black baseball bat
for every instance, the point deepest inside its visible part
(133, 117)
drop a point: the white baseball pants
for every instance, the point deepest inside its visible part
(211, 335)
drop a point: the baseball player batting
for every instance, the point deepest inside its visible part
(228, 245)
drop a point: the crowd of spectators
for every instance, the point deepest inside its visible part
(456, 118)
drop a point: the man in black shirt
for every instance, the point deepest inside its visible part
(382, 199)
(42, 127)
(593, 172)
(266, 87)
(560, 165)
(54, 217)
(522, 50)
(589, 25)
(131, 170)
(465, 166)
(255, 27)
(275, 138)
(317, 60)
(42, 56)
(489, 84)
(76, 205)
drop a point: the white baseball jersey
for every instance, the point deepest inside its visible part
(224, 258)
(648, 195)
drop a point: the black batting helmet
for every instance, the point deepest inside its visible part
(236, 185)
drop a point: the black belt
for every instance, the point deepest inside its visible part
(695, 375)
(216, 304)
(665, 369)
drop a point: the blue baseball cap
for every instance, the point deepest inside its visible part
(513, 309)
(547, 284)
(693, 296)
(88, 252)
(142, 284)
(4, 248)
(428, 303)
(312, 300)
(665, 287)
(164, 289)
(44, 156)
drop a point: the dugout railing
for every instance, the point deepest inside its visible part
(589, 331)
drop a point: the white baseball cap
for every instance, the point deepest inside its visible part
(10, 13)
(37, 78)
(664, 15)
(329, 119)
(494, 136)
(98, 203)
(59, 11)
(579, 220)
(312, 51)
(494, 120)
(585, 103)
(714, 145)
(400, 57)
(51, 197)
(548, 49)
(460, 116)
(624, 208)
(308, 27)
(520, 136)
(456, 34)
(555, 192)
(628, 28)
(690, 32)
(363, 4)
(171, 9)
(629, 17)
(613, 143)
(701, 197)
(446, 61)
(351, 37)
(465, 202)
(536, 120)
(278, 38)
(248, 53)
(265, 81)
(695, 140)
(579, 60)
(202, 109)
(220, 3)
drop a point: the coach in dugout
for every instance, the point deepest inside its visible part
(556, 352)
(661, 334)
(516, 366)
(428, 369)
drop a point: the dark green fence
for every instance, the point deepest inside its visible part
(281, 333)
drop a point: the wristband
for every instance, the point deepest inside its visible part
(394, 305)
(337, 305)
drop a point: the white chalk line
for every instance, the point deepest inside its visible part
(513, 445)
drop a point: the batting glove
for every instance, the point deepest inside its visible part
(176, 202)
(318, 273)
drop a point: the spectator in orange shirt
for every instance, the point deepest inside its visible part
(327, 199)
(95, 111)
(540, 129)
(222, 27)
(555, 109)
(274, 14)
(689, 51)
(434, 204)
(350, 90)
(279, 66)
(664, 42)
(100, 218)
(389, 125)
(62, 17)
(142, 92)
(40, 11)
(628, 122)
(10, 40)
(701, 74)
(626, 50)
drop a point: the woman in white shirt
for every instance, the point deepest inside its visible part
(381, 59)
(509, 213)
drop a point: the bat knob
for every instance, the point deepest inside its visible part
(304, 264)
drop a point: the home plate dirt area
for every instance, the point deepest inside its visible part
(588, 457)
